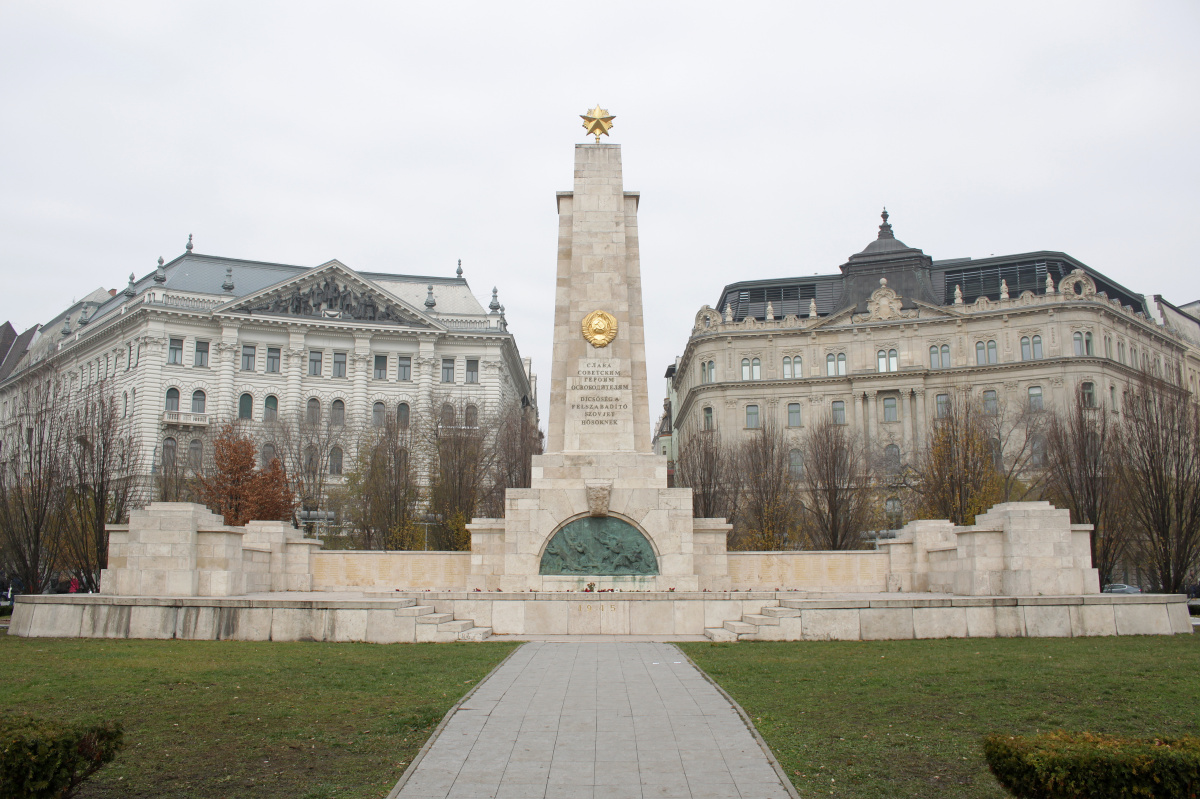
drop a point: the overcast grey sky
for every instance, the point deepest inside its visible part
(764, 138)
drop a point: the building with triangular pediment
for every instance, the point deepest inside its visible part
(884, 343)
(205, 339)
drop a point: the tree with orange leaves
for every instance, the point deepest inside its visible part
(239, 491)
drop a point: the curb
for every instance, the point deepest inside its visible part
(437, 731)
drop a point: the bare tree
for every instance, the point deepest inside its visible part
(304, 442)
(836, 483)
(1016, 437)
(103, 457)
(462, 459)
(709, 467)
(517, 439)
(35, 480)
(955, 475)
(1082, 456)
(1160, 468)
(382, 489)
(768, 510)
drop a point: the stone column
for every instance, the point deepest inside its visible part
(295, 369)
(858, 412)
(227, 352)
(922, 420)
(872, 425)
(361, 360)
(905, 416)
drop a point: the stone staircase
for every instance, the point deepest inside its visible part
(754, 626)
(441, 627)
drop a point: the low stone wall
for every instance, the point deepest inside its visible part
(840, 572)
(340, 570)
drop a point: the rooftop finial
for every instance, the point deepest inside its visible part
(885, 230)
(494, 305)
(189, 244)
(66, 328)
(597, 121)
(130, 290)
(228, 284)
(459, 272)
(160, 274)
(429, 300)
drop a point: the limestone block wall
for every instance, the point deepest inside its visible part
(339, 570)
(852, 572)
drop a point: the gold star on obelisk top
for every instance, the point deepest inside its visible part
(597, 121)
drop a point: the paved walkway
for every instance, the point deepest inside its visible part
(602, 720)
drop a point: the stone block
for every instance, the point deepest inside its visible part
(829, 624)
(1089, 619)
(981, 621)
(346, 625)
(384, 626)
(583, 617)
(508, 617)
(105, 621)
(545, 618)
(196, 623)
(1142, 619)
(1047, 621)
(1181, 620)
(940, 622)
(689, 617)
(651, 617)
(298, 624)
(54, 620)
(244, 624)
(886, 624)
(152, 621)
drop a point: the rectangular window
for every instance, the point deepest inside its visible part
(201, 353)
(1035, 398)
(447, 370)
(839, 412)
(943, 406)
(1087, 392)
(404, 370)
(991, 403)
(752, 417)
(314, 363)
(793, 414)
(175, 351)
(708, 419)
(380, 367)
(339, 364)
(472, 371)
(247, 358)
(273, 360)
(890, 413)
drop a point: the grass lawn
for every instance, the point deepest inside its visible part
(236, 719)
(905, 718)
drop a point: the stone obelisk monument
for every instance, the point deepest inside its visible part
(599, 510)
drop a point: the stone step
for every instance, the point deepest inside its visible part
(431, 633)
(456, 626)
(780, 613)
(740, 628)
(720, 634)
(475, 634)
(435, 618)
(759, 620)
(415, 610)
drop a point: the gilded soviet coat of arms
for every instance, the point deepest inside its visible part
(599, 328)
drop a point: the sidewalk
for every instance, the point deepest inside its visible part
(605, 720)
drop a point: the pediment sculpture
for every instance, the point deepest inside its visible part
(330, 298)
(884, 302)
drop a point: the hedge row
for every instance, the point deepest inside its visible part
(50, 760)
(1081, 765)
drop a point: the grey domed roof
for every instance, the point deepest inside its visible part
(886, 242)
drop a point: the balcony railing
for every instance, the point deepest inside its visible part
(185, 419)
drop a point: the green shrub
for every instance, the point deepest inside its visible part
(1080, 765)
(50, 760)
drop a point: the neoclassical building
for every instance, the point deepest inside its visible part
(882, 344)
(205, 339)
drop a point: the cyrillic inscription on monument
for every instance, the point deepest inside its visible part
(598, 392)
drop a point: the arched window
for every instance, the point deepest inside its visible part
(169, 449)
(172, 399)
(745, 368)
(893, 361)
(124, 404)
(335, 460)
(980, 354)
(787, 368)
(1087, 344)
(795, 464)
(246, 406)
(943, 405)
(894, 512)
(891, 459)
(1078, 339)
(1087, 393)
(935, 360)
(756, 369)
(797, 367)
(1121, 351)
(377, 414)
(991, 402)
(1037, 450)
(712, 371)
(841, 363)
(752, 417)
(1035, 398)
(881, 361)
(447, 417)
(945, 356)
(1108, 349)
(1026, 350)
(1037, 348)
(268, 455)
(471, 416)
(704, 371)
(312, 413)
(793, 409)
(831, 365)
(708, 418)
(993, 355)
(402, 459)
(310, 459)
(337, 412)
(402, 415)
(839, 412)
(195, 454)
(198, 401)
(270, 408)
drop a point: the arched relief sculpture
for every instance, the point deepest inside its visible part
(598, 545)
